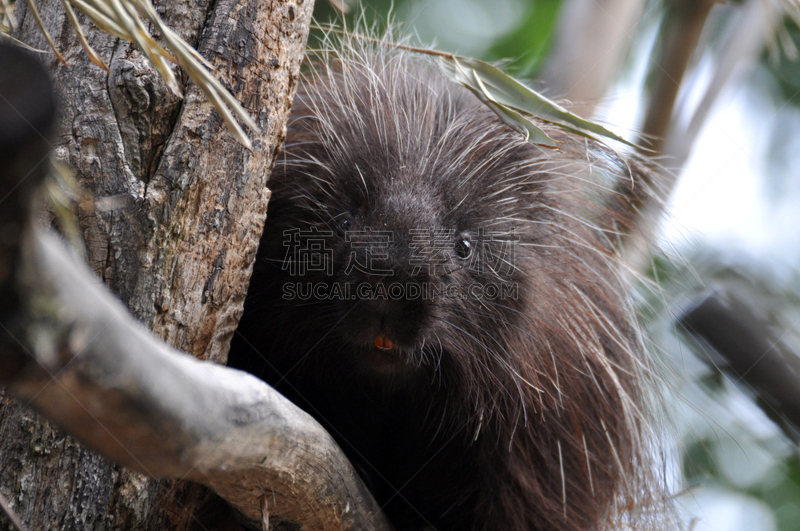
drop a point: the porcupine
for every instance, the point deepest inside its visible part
(443, 297)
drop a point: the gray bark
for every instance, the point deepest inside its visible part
(178, 211)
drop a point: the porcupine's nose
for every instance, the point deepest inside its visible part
(389, 311)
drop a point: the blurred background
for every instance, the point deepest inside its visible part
(720, 83)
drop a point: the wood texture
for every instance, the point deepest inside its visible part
(179, 207)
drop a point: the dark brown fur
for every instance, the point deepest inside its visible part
(514, 414)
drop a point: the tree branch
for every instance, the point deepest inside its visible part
(757, 20)
(749, 352)
(683, 24)
(110, 382)
(681, 30)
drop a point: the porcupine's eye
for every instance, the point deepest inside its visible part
(464, 247)
(344, 223)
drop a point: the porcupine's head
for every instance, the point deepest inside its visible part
(417, 242)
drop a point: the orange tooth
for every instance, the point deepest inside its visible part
(383, 342)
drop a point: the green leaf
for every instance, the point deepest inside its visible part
(509, 116)
(502, 89)
(528, 43)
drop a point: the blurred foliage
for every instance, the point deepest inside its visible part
(781, 74)
(784, 68)
(525, 48)
(699, 462)
(730, 448)
(521, 51)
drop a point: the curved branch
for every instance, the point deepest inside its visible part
(111, 383)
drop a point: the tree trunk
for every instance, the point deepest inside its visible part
(173, 229)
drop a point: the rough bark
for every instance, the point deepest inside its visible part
(173, 230)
